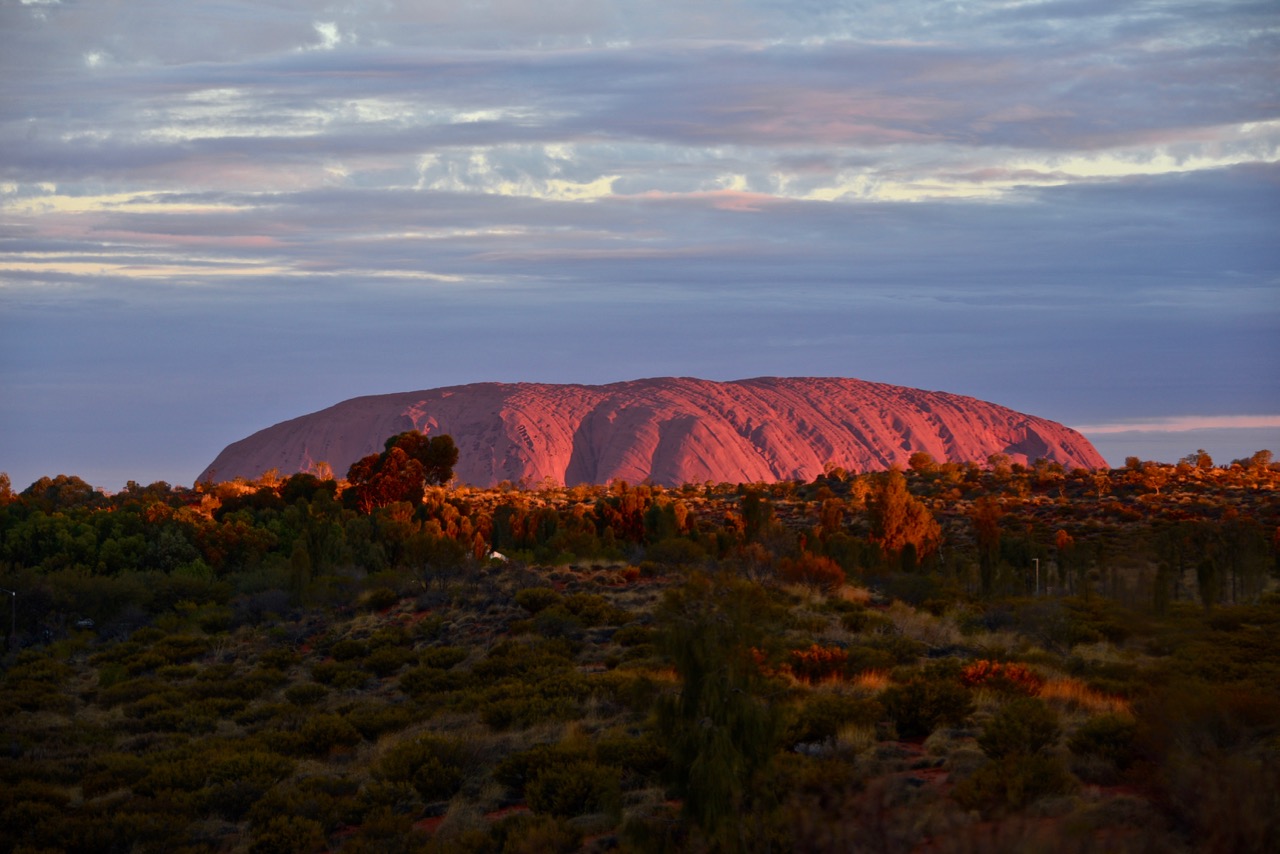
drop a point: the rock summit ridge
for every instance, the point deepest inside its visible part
(668, 430)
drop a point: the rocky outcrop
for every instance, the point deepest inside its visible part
(667, 430)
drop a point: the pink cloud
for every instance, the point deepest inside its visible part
(1184, 423)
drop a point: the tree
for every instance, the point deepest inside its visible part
(719, 729)
(410, 463)
(898, 518)
(986, 527)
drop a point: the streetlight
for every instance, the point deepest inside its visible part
(13, 616)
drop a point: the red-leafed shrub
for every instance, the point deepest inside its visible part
(818, 663)
(1008, 677)
(811, 569)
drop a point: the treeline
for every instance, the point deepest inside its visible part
(1147, 534)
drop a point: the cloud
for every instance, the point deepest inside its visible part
(1185, 423)
(1066, 207)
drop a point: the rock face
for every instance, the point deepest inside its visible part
(668, 430)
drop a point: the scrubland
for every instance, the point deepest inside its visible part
(950, 659)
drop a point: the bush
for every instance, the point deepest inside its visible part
(517, 769)
(1109, 737)
(535, 599)
(288, 834)
(576, 788)
(1024, 726)
(305, 693)
(535, 834)
(1013, 782)
(1006, 677)
(822, 716)
(381, 598)
(323, 734)
(921, 706)
(348, 650)
(433, 765)
(818, 662)
(387, 660)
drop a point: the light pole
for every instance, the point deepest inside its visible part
(13, 616)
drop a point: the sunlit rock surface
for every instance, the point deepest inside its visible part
(669, 430)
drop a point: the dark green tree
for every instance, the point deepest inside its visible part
(720, 730)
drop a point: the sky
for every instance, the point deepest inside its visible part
(215, 216)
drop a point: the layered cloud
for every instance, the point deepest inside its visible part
(1065, 206)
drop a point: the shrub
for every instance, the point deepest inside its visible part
(1013, 783)
(517, 769)
(387, 660)
(288, 834)
(576, 788)
(535, 834)
(421, 681)
(822, 716)
(322, 734)
(348, 649)
(305, 693)
(920, 706)
(1024, 726)
(535, 599)
(381, 598)
(1109, 737)
(818, 663)
(373, 719)
(433, 765)
(442, 657)
(812, 570)
(1006, 677)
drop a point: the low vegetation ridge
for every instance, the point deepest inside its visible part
(667, 431)
(948, 658)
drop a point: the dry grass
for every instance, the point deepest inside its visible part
(871, 681)
(855, 738)
(922, 626)
(857, 595)
(1074, 694)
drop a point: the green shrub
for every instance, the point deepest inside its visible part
(643, 756)
(1023, 726)
(821, 716)
(322, 734)
(535, 599)
(288, 834)
(1013, 783)
(443, 657)
(435, 766)
(517, 769)
(381, 598)
(305, 693)
(348, 649)
(387, 660)
(921, 706)
(535, 834)
(373, 719)
(1109, 737)
(421, 681)
(576, 788)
